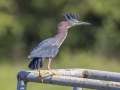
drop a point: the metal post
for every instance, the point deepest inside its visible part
(21, 85)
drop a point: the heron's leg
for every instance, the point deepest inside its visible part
(54, 73)
(49, 67)
(41, 74)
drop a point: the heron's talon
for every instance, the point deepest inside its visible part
(55, 74)
(41, 76)
(42, 80)
(45, 73)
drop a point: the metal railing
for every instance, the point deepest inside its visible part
(77, 78)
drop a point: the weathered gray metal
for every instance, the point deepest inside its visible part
(86, 73)
(21, 84)
(74, 78)
(91, 74)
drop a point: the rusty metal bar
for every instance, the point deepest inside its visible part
(32, 76)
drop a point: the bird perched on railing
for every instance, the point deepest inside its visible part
(49, 48)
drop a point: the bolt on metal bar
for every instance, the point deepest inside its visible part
(32, 76)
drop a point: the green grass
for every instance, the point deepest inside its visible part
(87, 60)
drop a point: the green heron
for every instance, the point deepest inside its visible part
(49, 48)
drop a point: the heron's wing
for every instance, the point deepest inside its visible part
(45, 52)
(46, 49)
(46, 42)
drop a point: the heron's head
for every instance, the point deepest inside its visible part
(72, 20)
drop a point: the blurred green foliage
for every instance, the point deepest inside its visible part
(25, 23)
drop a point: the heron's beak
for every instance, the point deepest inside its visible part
(82, 23)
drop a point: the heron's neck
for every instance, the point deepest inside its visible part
(60, 37)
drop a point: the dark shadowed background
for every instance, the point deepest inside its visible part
(25, 23)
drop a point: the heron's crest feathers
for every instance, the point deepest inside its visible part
(70, 16)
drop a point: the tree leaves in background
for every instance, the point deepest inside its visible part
(24, 23)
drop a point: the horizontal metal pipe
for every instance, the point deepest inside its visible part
(91, 74)
(69, 81)
(86, 73)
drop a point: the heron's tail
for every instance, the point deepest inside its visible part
(36, 63)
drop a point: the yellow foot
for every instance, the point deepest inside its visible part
(42, 75)
(45, 73)
(55, 74)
